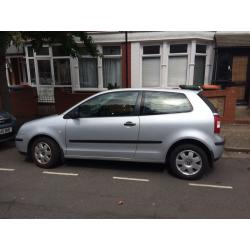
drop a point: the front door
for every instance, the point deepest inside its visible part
(107, 127)
(44, 75)
(239, 76)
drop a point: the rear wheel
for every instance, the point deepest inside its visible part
(45, 153)
(188, 161)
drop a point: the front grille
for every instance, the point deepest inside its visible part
(5, 121)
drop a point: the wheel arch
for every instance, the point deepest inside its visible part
(194, 142)
(39, 136)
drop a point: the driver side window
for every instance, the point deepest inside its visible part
(110, 105)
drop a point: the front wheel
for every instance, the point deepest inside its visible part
(188, 161)
(45, 152)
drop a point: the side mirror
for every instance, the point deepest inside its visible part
(73, 114)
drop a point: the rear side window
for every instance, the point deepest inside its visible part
(209, 104)
(157, 103)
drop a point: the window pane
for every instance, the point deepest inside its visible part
(201, 48)
(199, 70)
(30, 51)
(108, 105)
(44, 51)
(177, 70)
(111, 50)
(88, 72)
(62, 71)
(58, 51)
(84, 51)
(112, 72)
(178, 48)
(32, 71)
(156, 103)
(147, 50)
(151, 72)
(44, 70)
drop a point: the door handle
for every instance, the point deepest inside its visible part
(129, 124)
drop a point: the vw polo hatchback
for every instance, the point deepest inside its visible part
(173, 126)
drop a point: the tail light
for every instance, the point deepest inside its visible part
(216, 124)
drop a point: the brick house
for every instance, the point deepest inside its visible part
(130, 60)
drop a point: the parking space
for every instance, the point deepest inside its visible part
(105, 189)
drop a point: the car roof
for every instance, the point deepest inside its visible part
(176, 90)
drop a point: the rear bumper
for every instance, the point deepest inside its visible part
(218, 148)
(220, 143)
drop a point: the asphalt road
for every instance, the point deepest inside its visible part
(97, 189)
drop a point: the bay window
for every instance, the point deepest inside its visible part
(151, 63)
(177, 64)
(172, 63)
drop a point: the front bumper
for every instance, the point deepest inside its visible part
(8, 136)
(20, 145)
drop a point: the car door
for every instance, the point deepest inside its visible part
(163, 114)
(107, 127)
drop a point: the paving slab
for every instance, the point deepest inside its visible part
(237, 136)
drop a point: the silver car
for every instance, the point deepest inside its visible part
(173, 126)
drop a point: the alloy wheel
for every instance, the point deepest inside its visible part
(42, 153)
(188, 162)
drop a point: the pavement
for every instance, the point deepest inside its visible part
(107, 189)
(237, 137)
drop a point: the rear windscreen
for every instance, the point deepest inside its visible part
(209, 104)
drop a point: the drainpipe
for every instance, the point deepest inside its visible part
(126, 56)
(215, 58)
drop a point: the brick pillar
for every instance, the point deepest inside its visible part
(126, 82)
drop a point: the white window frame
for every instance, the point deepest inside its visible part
(137, 55)
(111, 57)
(99, 84)
(9, 57)
(53, 72)
(151, 56)
(99, 68)
(203, 55)
(49, 57)
(182, 54)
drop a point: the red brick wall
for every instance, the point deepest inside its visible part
(230, 96)
(124, 70)
(65, 99)
(24, 103)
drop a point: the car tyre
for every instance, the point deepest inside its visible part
(188, 162)
(45, 153)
